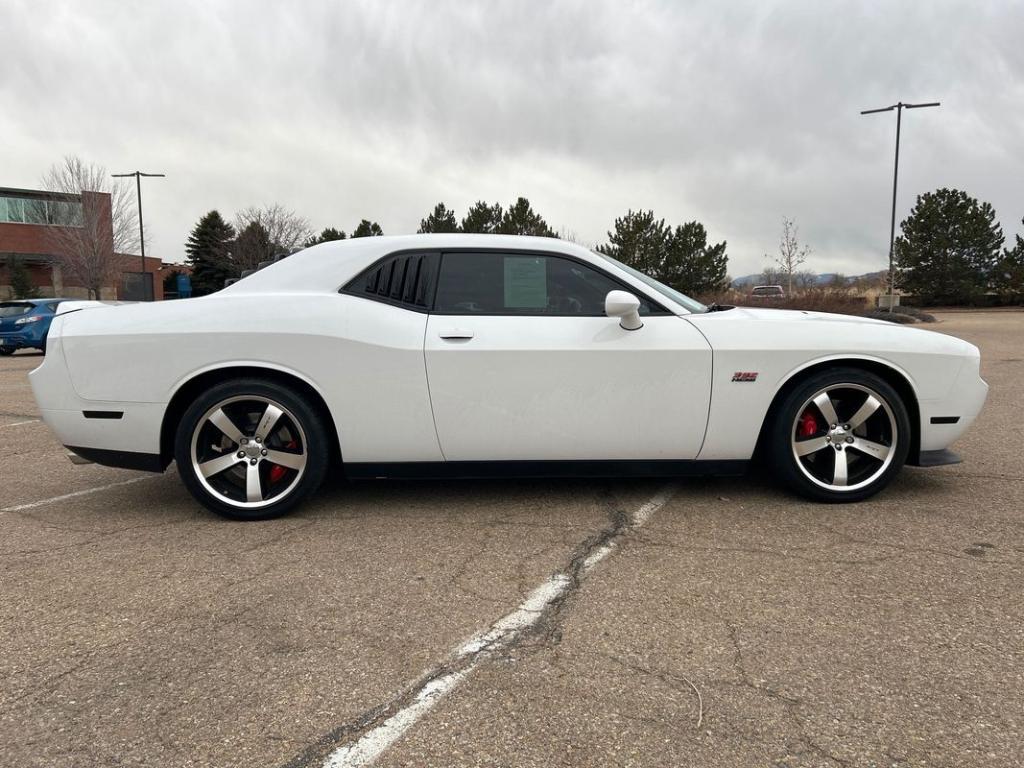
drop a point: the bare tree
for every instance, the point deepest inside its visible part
(88, 244)
(285, 231)
(791, 254)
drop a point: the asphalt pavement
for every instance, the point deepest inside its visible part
(563, 623)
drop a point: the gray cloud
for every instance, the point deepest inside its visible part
(735, 114)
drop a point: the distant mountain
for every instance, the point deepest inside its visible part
(747, 281)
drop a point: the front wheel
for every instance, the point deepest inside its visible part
(5, 351)
(251, 449)
(841, 435)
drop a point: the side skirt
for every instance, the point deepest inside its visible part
(147, 462)
(476, 470)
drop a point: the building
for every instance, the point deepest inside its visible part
(36, 228)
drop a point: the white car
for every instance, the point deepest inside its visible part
(477, 355)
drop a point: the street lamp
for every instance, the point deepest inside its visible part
(899, 107)
(138, 193)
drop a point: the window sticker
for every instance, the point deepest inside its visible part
(526, 282)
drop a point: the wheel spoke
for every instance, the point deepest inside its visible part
(815, 444)
(221, 421)
(218, 465)
(864, 412)
(824, 403)
(839, 473)
(290, 460)
(266, 425)
(871, 448)
(253, 485)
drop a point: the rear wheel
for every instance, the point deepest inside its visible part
(841, 435)
(251, 449)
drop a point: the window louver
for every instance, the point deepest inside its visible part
(406, 280)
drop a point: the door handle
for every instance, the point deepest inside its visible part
(456, 333)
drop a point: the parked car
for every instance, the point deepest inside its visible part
(770, 292)
(481, 355)
(25, 324)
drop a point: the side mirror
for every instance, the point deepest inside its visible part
(626, 307)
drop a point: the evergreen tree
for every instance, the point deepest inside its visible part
(521, 219)
(640, 241)
(367, 228)
(440, 220)
(691, 265)
(1008, 274)
(948, 247)
(208, 250)
(326, 236)
(482, 218)
(21, 280)
(252, 246)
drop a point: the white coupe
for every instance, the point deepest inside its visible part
(478, 355)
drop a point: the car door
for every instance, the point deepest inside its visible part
(523, 364)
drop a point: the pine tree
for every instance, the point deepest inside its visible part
(440, 220)
(948, 247)
(328, 235)
(1008, 274)
(482, 218)
(639, 241)
(252, 246)
(367, 228)
(208, 250)
(21, 280)
(521, 219)
(691, 265)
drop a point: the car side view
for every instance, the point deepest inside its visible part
(480, 356)
(25, 324)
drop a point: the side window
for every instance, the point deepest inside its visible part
(406, 280)
(523, 284)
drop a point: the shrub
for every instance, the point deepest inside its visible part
(891, 317)
(918, 315)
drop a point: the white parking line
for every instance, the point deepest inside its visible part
(86, 492)
(372, 744)
(19, 423)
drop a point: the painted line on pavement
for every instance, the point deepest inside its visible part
(19, 423)
(372, 744)
(76, 494)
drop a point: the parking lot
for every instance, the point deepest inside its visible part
(634, 623)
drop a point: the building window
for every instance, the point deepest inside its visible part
(35, 211)
(62, 213)
(15, 211)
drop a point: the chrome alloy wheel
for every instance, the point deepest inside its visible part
(248, 451)
(844, 437)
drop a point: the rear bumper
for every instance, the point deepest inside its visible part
(92, 425)
(20, 340)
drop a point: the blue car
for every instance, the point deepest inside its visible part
(24, 323)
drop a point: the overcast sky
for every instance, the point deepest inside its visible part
(735, 114)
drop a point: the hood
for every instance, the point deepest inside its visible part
(790, 315)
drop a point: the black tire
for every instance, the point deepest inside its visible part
(5, 351)
(300, 420)
(815, 475)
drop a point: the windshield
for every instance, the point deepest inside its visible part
(13, 309)
(679, 298)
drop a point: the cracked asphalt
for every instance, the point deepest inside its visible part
(739, 626)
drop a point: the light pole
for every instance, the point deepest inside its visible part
(899, 107)
(142, 238)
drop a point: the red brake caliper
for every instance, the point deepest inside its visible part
(277, 471)
(808, 426)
